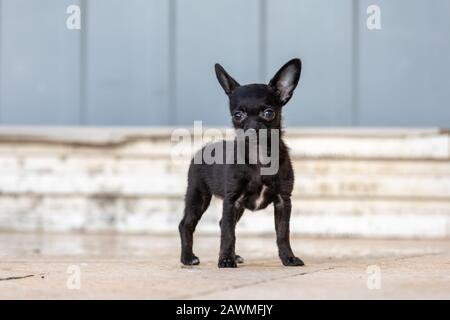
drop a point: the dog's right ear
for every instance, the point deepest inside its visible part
(226, 81)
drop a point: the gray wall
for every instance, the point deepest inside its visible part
(150, 62)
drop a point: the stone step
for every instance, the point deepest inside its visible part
(318, 217)
(156, 143)
(104, 164)
(172, 185)
(314, 178)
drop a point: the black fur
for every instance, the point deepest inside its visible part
(239, 185)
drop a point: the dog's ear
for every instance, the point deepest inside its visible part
(286, 79)
(226, 81)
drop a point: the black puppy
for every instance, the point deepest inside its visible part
(242, 186)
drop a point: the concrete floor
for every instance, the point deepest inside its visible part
(72, 266)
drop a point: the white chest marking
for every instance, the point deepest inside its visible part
(260, 199)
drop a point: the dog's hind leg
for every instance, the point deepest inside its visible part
(239, 213)
(196, 203)
(283, 207)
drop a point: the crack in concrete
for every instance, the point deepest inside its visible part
(416, 256)
(239, 286)
(17, 277)
(314, 271)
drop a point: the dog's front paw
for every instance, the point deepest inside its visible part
(227, 263)
(292, 261)
(190, 261)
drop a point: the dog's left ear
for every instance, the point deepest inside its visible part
(286, 79)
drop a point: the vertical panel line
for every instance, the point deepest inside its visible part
(83, 64)
(262, 40)
(172, 67)
(355, 64)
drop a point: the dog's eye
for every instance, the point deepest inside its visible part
(268, 114)
(238, 115)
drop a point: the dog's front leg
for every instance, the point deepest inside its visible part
(227, 257)
(282, 217)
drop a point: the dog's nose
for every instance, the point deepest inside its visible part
(252, 125)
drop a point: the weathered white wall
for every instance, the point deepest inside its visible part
(382, 183)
